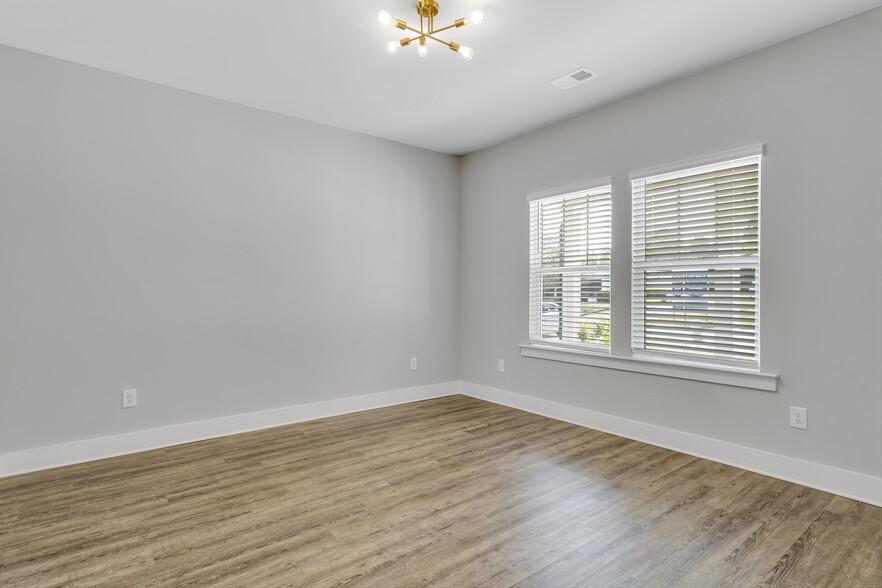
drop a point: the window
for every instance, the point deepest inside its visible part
(570, 245)
(695, 267)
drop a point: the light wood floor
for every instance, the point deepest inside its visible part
(448, 492)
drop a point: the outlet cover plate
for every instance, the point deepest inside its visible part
(798, 417)
(129, 398)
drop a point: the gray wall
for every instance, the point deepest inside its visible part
(218, 258)
(815, 102)
(225, 260)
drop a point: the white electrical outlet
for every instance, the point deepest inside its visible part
(413, 363)
(798, 417)
(129, 398)
(500, 365)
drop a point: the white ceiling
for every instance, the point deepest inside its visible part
(325, 61)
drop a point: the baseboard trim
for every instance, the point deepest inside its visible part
(814, 475)
(52, 456)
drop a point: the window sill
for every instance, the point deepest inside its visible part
(713, 374)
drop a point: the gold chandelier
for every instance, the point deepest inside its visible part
(428, 10)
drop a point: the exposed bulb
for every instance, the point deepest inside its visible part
(475, 18)
(384, 18)
(422, 49)
(392, 47)
(466, 52)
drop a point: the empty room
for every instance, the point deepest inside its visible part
(453, 293)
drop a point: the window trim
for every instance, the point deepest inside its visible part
(684, 167)
(673, 367)
(577, 187)
(560, 192)
(714, 374)
(686, 164)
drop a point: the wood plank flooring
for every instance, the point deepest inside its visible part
(447, 492)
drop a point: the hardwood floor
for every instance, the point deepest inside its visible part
(447, 492)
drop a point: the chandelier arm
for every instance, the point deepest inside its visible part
(443, 28)
(437, 39)
(425, 34)
(410, 28)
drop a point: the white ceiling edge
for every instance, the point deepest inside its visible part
(325, 62)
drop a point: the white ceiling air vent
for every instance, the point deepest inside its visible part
(567, 81)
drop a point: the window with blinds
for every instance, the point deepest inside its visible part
(695, 265)
(570, 246)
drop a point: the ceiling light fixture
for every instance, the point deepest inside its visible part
(428, 10)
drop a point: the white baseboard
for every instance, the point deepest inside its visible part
(814, 475)
(51, 456)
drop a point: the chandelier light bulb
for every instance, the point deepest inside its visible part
(384, 18)
(422, 49)
(475, 18)
(466, 52)
(392, 47)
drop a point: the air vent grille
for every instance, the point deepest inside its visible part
(573, 78)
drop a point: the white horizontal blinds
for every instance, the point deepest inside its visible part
(696, 262)
(570, 245)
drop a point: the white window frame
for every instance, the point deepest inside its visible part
(535, 302)
(679, 169)
(738, 376)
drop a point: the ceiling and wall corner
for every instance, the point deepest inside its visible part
(326, 62)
